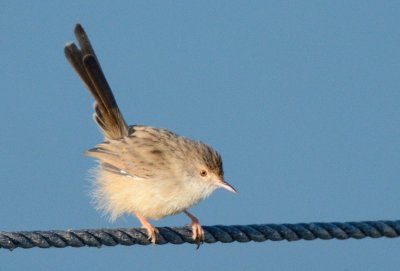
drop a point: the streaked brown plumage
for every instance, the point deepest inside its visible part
(143, 170)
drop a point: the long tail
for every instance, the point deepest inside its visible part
(86, 64)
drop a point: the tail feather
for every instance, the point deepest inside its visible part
(85, 62)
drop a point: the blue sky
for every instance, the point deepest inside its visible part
(300, 97)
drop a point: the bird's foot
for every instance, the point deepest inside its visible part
(197, 230)
(151, 230)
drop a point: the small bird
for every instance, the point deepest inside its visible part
(146, 171)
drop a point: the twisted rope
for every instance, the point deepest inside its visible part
(213, 234)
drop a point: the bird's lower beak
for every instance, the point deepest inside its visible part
(226, 185)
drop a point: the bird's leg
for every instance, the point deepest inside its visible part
(197, 230)
(151, 230)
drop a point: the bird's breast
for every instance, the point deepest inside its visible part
(153, 198)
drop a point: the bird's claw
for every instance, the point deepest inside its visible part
(197, 233)
(151, 233)
(197, 230)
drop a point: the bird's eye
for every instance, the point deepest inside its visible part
(203, 173)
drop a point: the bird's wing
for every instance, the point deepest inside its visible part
(132, 156)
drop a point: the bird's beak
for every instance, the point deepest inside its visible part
(226, 185)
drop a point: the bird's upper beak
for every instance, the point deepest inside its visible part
(226, 185)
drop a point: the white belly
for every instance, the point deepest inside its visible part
(116, 194)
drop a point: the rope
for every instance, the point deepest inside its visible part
(213, 234)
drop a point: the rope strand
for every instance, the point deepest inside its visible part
(213, 234)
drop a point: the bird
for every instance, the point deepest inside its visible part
(142, 170)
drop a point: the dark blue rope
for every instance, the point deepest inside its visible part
(213, 234)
